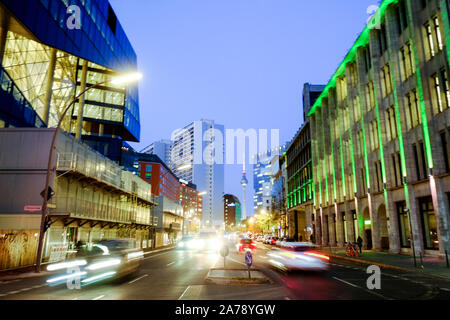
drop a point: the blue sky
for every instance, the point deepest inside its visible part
(241, 63)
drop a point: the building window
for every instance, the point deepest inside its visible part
(391, 124)
(429, 231)
(148, 167)
(370, 98)
(414, 116)
(407, 61)
(374, 133)
(433, 35)
(403, 225)
(386, 84)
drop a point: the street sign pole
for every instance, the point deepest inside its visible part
(249, 262)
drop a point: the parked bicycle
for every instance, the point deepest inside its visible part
(351, 250)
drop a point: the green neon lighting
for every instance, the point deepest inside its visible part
(361, 41)
(334, 172)
(380, 139)
(355, 189)
(366, 157)
(446, 25)
(342, 166)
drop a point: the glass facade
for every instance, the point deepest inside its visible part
(43, 59)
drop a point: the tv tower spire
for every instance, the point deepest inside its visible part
(244, 183)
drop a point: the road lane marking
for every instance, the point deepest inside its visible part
(350, 284)
(145, 275)
(366, 290)
(169, 264)
(445, 289)
(157, 255)
(184, 292)
(237, 261)
(99, 297)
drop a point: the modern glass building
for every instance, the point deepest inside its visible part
(46, 60)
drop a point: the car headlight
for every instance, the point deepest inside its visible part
(66, 265)
(104, 264)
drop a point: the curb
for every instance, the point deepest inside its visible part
(158, 250)
(387, 266)
(236, 281)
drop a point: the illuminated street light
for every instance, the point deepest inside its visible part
(127, 78)
(122, 79)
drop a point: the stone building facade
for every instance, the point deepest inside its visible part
(380, 133)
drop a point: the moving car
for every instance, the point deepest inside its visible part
(298, 256)
(187, 243)
(284, 241)
(97, 262)
(273, 240)
(246, 245)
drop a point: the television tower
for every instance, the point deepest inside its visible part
(244, 183)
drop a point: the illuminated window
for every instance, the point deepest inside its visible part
(413, 109)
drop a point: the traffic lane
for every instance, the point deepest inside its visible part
(162, 276)
(305, 285)
(354, 277)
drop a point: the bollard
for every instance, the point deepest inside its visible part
(446, 257)
(421, 260)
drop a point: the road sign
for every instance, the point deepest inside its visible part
(31, 208)
(248, 259)
(224, 251)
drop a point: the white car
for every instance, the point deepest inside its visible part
(298, 256)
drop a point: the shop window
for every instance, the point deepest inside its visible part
(403, 225)
(429, 225)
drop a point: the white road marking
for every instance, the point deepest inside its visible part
(99, 297)
(157, 255)
(350, 284)
(237, 261)
(145, 275)
(169, 264)
(368, 291)
(184, 292)
(445, 289)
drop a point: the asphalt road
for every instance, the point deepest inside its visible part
(180, 275)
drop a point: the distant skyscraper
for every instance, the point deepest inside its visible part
(162, 149)
(192, 160)
(262, 178)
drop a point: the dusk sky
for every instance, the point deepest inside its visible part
(241, 63)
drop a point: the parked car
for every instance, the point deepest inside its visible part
(298, 256)
(267, 239)
(246, 244)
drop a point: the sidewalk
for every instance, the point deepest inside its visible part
(432, 266)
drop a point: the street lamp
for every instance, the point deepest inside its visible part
(123, 79)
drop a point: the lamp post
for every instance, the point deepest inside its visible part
(127, 78)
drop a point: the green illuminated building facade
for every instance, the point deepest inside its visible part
(380, 133)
